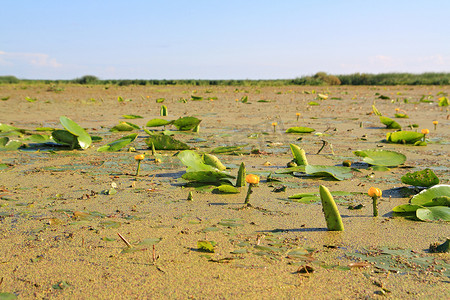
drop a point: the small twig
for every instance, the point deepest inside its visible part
(154, 254)
(323, 146)
(124, 240)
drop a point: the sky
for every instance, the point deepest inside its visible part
(232, 39)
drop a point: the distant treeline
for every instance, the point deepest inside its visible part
(320, 78)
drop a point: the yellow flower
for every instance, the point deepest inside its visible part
(252, 179)
(374, 192)
(425, 131)
(139, 157)
(297, 114)
(274, 124)
(435, 122)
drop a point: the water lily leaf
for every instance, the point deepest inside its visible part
(84, 139)
(194, 162)
(7, 296)
(337, 172)
(439, 201)
(118, 144)
(132, 117)
(212, 160)
(300, 130)
(7, 128)
(206, 176)
(391, 124)
(158, 123)
(435, 213)
(227, 189)
(431, 193)
(425, 178)
(110, 224)
(406, 208)
(196, 98)
(443, 101)
(186, 123)
(402, 116)
(39, 138)
(8, 145)
(380, 157)
(302, 195)
(205, 246)
(227, 149)
(64, 137)
(299, 155)
(124, 126)
(165, 142)
(404, 137)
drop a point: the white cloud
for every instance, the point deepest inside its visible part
(31, 59)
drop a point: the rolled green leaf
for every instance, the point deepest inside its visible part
(240, 181)
(299, 155)
(332, 216)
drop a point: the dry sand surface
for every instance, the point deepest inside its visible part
(58, 234)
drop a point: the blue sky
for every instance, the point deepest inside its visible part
(54, 39)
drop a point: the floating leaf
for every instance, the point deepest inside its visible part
(425, 178)
(227, 149)
(406, 208)
(165, 142)
(391, 124)
(7, 296)
(439, 201)
(39, 138)
(118, 144)
(380, 157)
(196, 98)
(186, 123)
(9, 145)
(404, 137)
(205, 246)
(227, 189)
(443, 101)
(435, 213)
(110, 224)
(158, 123)
(401, 116)
(206, 176)
(8, 128)
(84, 139)
(124, 126)
(300, 130)
(194, 162)
(132, 117)
(64, 137)
(431, 193)
(150, 242)
(337, 172)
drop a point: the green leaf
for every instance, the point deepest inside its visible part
(435, 213)
(299, 155)
(7, 145)
(124, 126)
(7, 296)
(439, 201)
(404, 137)
(158, 123)
(212, 160)
(431, 193)
(337, 172)
(425, 178)
(7, 128)
(391, 124)
(64, 137)
(300, 130)
(227, 149)
(132, 116)
(205, 246)
(380, 157)
(375, 111)
(165, 142)
(193, 161)
(150, 242)
(39, 138)
(405, 208)
(118, 144)
(227, 189)
(443, 101)
(196, 98)
(186, 123)
(84, 139)
(206, 176)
